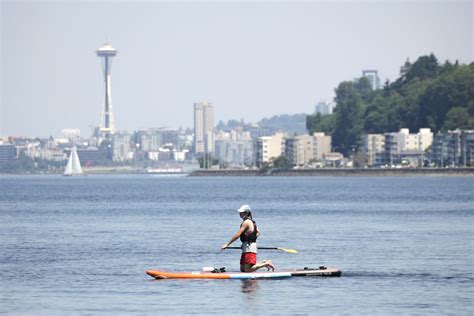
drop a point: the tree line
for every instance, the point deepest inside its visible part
(426, 95)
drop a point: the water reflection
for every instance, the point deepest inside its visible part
(249, 285)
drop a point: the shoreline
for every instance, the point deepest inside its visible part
(337, 172)
(324, 172)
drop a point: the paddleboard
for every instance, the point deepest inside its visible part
(321, 271)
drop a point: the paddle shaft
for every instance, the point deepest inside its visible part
(272, 248)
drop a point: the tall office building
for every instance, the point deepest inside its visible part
(373, 77)
(323, 107)
(203, 128)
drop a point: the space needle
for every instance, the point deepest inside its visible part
(106, 125)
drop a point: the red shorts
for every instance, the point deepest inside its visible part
(248, 258)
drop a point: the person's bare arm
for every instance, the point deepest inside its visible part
(244, 226)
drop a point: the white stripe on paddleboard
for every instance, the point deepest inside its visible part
(254, 275)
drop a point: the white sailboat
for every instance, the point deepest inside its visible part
(73, 167)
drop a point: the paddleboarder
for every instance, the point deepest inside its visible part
(248, 234)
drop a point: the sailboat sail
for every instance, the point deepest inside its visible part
(73, 167)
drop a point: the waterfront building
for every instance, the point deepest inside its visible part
(7, 153)
(89, 156)
(168, 136)
(52, 154)
(305, 149)
(257, 131)
(185, 139)
(72, 134)
(106, 125)
(425, 138)
(322, 145)
(268, 148)
(153, 139)
(333, 159)
(33, 149)
(234, 148)
(299, 149)
(373, 146)
(203, 127)
(180, 155)
(467, 148)
(453, 148)
(121, 146)
(149, 140)
(405, 148)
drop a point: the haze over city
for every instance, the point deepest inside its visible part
(250, 59)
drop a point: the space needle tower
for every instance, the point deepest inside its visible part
(106, 125)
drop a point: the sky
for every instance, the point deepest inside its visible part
(250, 59)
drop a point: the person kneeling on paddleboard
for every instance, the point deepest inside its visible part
(248, 234)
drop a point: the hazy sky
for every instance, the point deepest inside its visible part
(251, 59)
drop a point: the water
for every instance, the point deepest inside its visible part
(81, 245)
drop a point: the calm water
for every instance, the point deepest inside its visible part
(81, 245)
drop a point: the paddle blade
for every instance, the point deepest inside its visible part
(288, 250)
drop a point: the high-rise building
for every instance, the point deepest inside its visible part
(323, 107)
(106, 125)
(203, 128)
(373, 77)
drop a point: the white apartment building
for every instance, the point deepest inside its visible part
(322, 145)
(405, 146)
(268, 148)
(373, 146)
(420, 141)
(390, 148)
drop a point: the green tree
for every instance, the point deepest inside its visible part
(106, 149)
(348, 118)
(375, 117)
(282, 163)
(453, 89)
(207, 161)
(424, 68)
(364, 89)
(320, 123)
(458, 117)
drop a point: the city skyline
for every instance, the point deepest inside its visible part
(251, 60)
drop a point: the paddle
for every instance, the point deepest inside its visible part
(271, 248)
